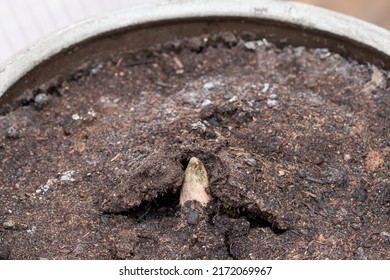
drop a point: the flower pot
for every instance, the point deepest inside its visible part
(100, 121)
(281, 22)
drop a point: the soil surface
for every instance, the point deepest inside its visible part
(295, 141)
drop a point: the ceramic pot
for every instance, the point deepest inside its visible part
(280, 22)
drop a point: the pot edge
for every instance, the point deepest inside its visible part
(299, 14)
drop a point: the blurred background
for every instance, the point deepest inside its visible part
(375, 11)
(24, 21)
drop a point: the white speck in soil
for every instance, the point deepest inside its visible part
(198, 126)
(233, 99)
(272, 103)
(67, 176)
(347, 157)
(32, 230)
(385, 234)
(263, 43)
(40, 101)
(11, 133)
(44, 188)
(265, 88)
(93, 114)
(208, 86)
(273, 96)
(97, 69)
(250, 161)
(9, 224)
(206, 103)
(324, 53)
(250, 45)
(76, 117)
(343, 212)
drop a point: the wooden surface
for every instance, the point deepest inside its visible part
(375, 11)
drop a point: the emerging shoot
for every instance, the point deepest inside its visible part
(195, 183)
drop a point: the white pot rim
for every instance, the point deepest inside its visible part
(298, 14)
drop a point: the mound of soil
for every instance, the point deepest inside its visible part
(295, 142)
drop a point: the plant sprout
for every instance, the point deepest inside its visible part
(195, 183)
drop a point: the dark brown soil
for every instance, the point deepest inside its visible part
(296, 143)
